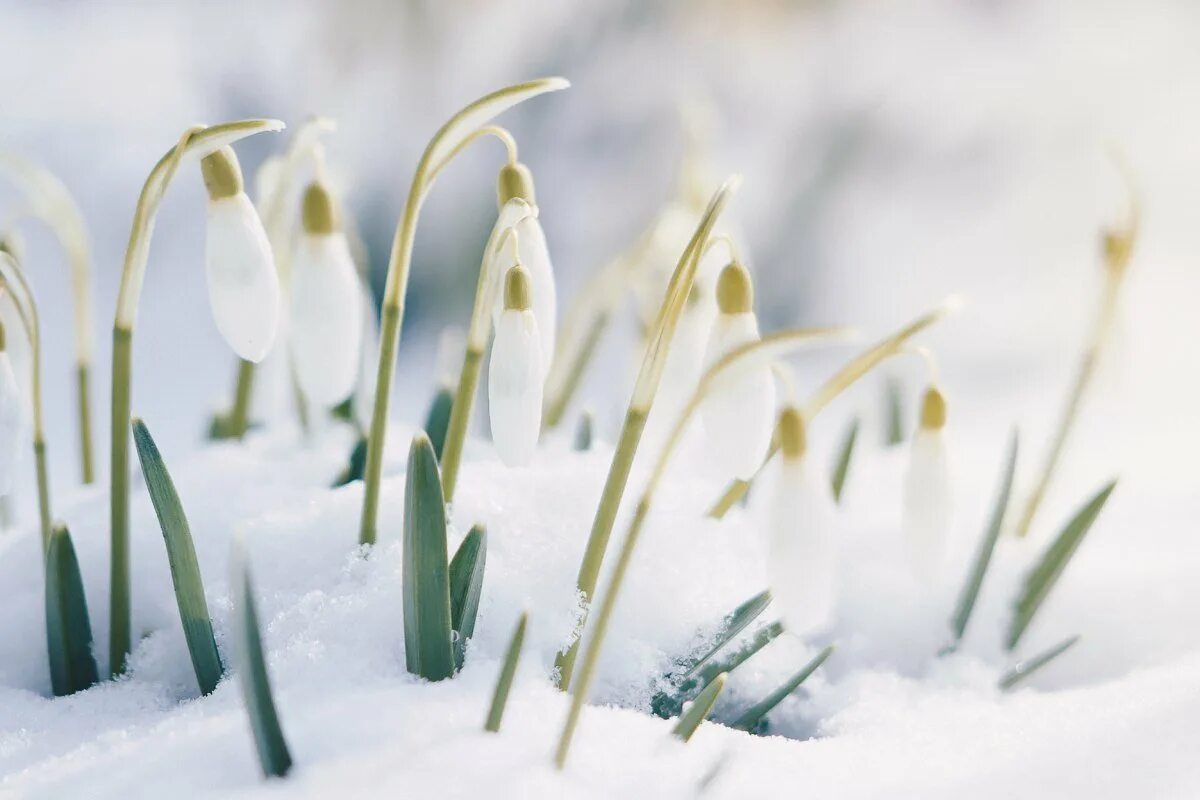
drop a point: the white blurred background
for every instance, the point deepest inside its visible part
(893, 153)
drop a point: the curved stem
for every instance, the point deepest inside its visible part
(644, 392)
(26, 305)
(440, 149)
(774, 344)
(478, 332)
(510, 148)
(197, 140)
(855, 369)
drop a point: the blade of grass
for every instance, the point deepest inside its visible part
(1041, 580)
(700, 708)
(842, 465)
(1023, 669)
(970, 592)
(273, 755)
(751, 717)
(428, 650)
(507, 673)
(437, 421)
(466, 587)
(181, 554)
(68, 626)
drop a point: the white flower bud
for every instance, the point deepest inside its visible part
(801, 529)
(10, 423)
(927, 492)
(534, 256)
(515, 374)
(243, 289)
(738, 411)
(326, 306)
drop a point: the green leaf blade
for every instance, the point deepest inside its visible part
(181, 554)
(753, 715)
(68, 625)
(437, 420)
(1024, 669)
(700, 708)
(1042, 578)
(273, 754)
(842, 466)
(428, 648)
(983, 559)
(466, 588)
(507, 673)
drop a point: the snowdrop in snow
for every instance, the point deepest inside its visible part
(739, 410)
(801, 529)
(243, 288)
(10, 418)
(326, 305)
(515, 374)
(519, 212)
(927, 491)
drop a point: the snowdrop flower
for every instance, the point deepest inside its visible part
(927, 491)
(519, 211)
(326, 305)
(739, 410)
(801, 527)
(243, 288)
(515, 375)
(10, 418)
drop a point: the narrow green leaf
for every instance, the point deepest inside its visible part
(507, 673)
(700, 708)
(707, 669)
(437, 421)
(68, 626)
(428, 650)
(752, 716)
(894, 399)
(354, 465)
(1041, 580)
(181, 554)
(466, 587)
(842, 465)
(666, 705)
(272, 748)
(583, 432)
(983, 559)
(1024, 669)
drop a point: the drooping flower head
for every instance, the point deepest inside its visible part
(927, 491)
(326, 304)
(739, 410)
(801, 527)
(243, 288)
(515, 374)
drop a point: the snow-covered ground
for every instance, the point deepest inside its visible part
(893, 154)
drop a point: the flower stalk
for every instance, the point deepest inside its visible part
(50, 201)
(644, 391)
(195, 141)
(446, 143)
(14, 285)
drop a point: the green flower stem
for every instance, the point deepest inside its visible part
(644, 391)
(573, 372)
(460, 418)
(855, 369)
(199, 140)
(12, 277)
(441, 149)
(239, 415)
(51, 201)
(773, 345)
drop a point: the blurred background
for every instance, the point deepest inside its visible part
(893, 153)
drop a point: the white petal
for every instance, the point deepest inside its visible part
(368, 366)
(515, 387)
(802, 547)
(739, 410)
(326, 319)
(243, 289)
(535, 257)
(10, 423)
(927, 505)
